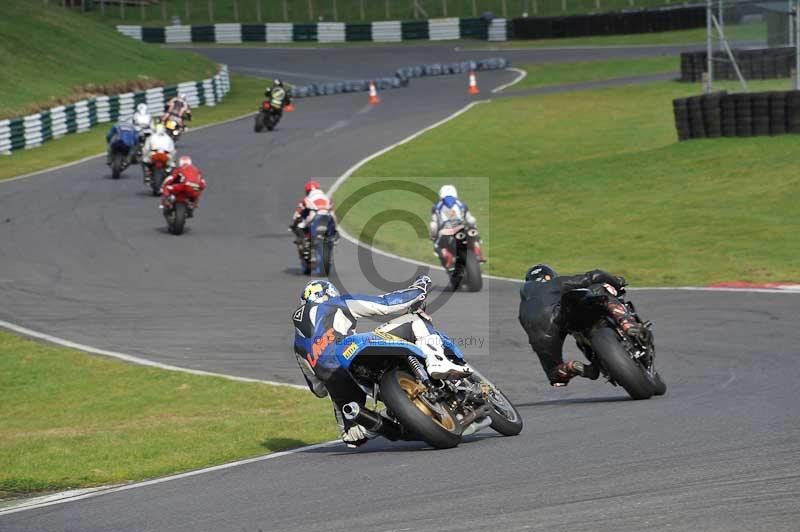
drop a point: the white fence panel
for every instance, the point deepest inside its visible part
(155, 100)
(387, 31)
(279, 32)
(82, 116)
(131, 31)
(5, 137)
(103, 109)
(228, 33)
(330, 32)
(126, 106)
(33, 130)
(58, 121)
(444, 29)
(178, 34)
(497, 30)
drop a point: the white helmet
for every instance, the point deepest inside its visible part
(141, 108)
(448, 190)
(182, 95)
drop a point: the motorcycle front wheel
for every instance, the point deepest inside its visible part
(436, 424)
(259, 125)
(506, 419)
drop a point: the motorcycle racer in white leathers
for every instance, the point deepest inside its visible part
(448, 215)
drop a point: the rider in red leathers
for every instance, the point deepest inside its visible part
(185, 174)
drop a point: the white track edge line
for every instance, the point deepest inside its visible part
(90, 157)
(520, 77)
(70, 496)
(134, 359)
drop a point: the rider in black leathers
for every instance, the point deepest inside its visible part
(542, 314)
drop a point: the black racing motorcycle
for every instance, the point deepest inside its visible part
(464, 246)
(268, 117)
(622, 360)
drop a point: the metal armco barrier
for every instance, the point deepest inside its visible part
(386, 31)
(32, 131)
(747, 114)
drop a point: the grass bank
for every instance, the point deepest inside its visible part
(244, 97)
(75, 420)
(542, 75)
(597, 179)
(50, 55)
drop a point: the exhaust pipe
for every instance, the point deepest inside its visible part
(468, 420)
(372, 421)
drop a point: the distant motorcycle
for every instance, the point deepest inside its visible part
(464, 246)
(123, 153)
(267, 117)
(316, 250)
(178, 204)
(157, 171)
(624, 361)
(174, 125)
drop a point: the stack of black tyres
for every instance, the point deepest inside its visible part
(728, 109)
(696, 122)
(793, 111)
(760, 104)
(680, 108)
(777, 113)
(744, 115)
(712, 114)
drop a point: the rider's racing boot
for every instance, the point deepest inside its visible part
(563, 373)
(436, 362)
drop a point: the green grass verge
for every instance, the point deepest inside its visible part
(542, 75)
(597, 179)
(75, 420)
(298, 11)
(47, 51)
(244, 97)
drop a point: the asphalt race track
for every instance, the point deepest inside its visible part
(90, 261)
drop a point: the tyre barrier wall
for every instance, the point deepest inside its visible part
(33, 130)
(400, 79)
(621, 23)
(748, 114)
(325, 32)
(764, 63)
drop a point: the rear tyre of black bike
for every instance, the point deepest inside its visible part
(624, 370)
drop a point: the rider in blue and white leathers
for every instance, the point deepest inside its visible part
(447, 216)
(325, 318)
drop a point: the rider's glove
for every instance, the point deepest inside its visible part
(356, 435)
(621, 282)
(423, 282)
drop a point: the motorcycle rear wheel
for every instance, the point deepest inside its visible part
(473, 273)
(327, 249)
(176, 219)
(155, 181)
(117, 164)
(625, 371)
(438, 427)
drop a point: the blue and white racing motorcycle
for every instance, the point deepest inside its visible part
(391, 369)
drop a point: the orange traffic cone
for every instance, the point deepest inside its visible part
(373, 94)
(473, 84)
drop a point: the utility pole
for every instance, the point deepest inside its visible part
(797, 45)
(709, 49)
